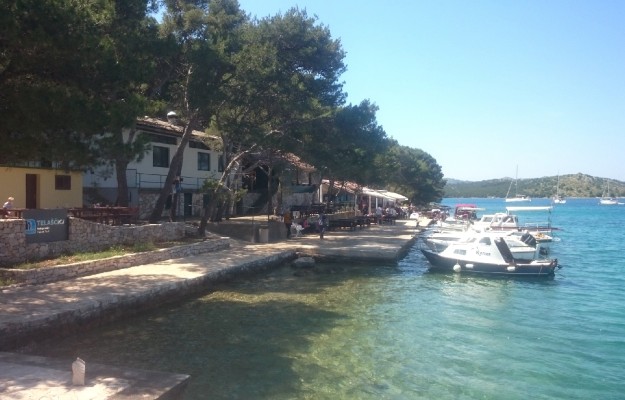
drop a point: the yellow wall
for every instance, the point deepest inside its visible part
(13, 183)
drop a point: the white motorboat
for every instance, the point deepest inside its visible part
(485, 254)
(524, 247)
(508, 222)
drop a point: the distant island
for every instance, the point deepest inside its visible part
(574, 185)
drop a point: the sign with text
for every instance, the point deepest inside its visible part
(46, 225)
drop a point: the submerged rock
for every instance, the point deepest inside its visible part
(304, 262)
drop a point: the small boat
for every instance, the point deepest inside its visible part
(558, 199)
(524, 247)
(606, 199)
(509, 222)
(466, 212)
(488, 255)
(517, 197)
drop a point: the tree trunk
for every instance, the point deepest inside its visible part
(330, 193)
(207, 212)
(121, 166)
(210, 208)
(269, 194)
(122, 183)
(174, 168)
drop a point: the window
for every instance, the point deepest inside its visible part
(62, 182)
(220, 167)
(198, 145)
(160, 156)
(203, 161)
(161, 139)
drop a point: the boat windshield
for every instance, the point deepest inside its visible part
(485, 240)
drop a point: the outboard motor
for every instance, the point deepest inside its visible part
(528, 239)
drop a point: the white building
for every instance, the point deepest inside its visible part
(147, 177)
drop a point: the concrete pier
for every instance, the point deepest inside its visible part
(28, 313)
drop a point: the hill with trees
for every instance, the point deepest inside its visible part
(574, 185)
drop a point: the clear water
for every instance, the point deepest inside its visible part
(397, 331)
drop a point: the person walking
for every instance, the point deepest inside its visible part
(322, 224)
(288, 220)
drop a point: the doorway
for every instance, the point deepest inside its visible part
(31, 190)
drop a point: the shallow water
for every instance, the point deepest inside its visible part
(396, 331)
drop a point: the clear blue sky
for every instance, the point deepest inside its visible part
(486, 86)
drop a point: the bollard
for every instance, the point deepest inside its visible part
(78, 370)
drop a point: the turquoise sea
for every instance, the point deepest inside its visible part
(397, 331)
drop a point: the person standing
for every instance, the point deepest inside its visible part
(288, 220)
(322, 224)
(378, 215)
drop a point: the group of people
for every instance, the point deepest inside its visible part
(322, 224)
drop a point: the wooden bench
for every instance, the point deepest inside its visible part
(363, 221)
(388, 219)
(343, 223)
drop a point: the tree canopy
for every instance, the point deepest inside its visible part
(74, 74)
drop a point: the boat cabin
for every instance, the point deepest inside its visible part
(467, 212)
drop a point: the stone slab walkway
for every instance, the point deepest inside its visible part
(30, 312)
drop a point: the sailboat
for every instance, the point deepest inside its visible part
(606, 199)
(557, 199)
(517, 197)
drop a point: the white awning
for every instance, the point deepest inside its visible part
(375, 193)
(395, 196)
(383, 194)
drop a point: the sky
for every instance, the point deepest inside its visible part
(487, 88)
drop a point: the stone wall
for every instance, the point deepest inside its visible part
(83, 236)
(39, 276)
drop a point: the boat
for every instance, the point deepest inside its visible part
(606, 199)
(485, 254)
(557, 198)
(464, 215)
(509, 222)
(524, 247)
(466, 212)
(517, 197)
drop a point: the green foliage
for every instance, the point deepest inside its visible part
(344, 144)
(70, 70)
(74, 73)
(412, 172)
(574, 185)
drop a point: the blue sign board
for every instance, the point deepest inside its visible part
(46, 225)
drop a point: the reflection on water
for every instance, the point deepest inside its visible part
(388, 332)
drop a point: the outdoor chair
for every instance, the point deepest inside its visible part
(298, 229)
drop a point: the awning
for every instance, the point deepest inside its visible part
(395, 196)
(381, 194)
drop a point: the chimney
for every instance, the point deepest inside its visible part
(172, 118)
